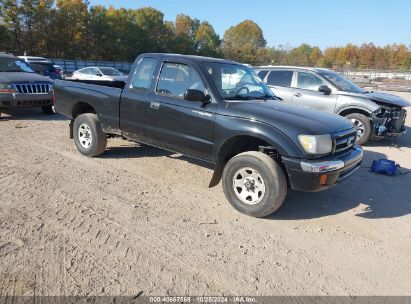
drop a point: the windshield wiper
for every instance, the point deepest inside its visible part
(238, 97)
(267, 97)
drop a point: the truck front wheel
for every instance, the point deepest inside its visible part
(254, 184)
(89, 137)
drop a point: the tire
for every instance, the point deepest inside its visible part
(259, 170)
(49, 110)
(89, 137)
(363, 125)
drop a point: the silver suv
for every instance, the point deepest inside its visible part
(375, 115)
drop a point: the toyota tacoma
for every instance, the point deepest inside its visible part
(221, 112)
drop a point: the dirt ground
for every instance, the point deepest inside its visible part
(141, 219)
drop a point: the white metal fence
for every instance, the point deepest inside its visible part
(380, 79)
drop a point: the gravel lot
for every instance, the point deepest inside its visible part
(141, 219)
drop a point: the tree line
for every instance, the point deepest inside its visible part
(72, 29)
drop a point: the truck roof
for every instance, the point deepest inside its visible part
(189, 57)
(275, 67)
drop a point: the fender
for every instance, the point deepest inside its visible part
(248, 135)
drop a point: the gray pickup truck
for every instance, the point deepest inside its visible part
(375, 115)
(21, 87)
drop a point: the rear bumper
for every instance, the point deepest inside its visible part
(318, 175)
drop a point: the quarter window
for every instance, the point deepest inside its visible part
(308, 81)
(144, 74)
(176, 78)
(280, 78)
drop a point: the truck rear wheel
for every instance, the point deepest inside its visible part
(254, 184)
(89, 137)
(363, 126)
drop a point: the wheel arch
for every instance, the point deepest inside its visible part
(346, 111)
(242, 143)
(82, 107)
(79, 108)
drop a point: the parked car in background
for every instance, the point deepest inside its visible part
(44, 67)
(220, 112)
(99, 73)
(375, 115)
(20, 86)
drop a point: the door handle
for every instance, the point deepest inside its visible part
(298, 94)
(154, 105)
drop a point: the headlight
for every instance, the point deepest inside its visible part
(316, 144)
(7, 88)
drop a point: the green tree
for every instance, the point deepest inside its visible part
(153, 35)
(315, 56)
(10, 11)
(70, 35)
(265, 56)
(207, 42)
(241, 42)
(185, 30)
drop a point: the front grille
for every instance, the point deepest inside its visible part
(398, 119)
(33, 88)
(344, 141)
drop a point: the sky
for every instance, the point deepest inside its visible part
(317, 22)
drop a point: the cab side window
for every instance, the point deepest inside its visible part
(176, 78)
(308, 81)
(262, 74)
(144, 74)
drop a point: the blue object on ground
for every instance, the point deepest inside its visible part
(384, 166)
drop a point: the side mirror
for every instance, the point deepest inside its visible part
(99, 74)
(325, 89)
(194, 95)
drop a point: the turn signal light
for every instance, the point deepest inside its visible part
(323, 179)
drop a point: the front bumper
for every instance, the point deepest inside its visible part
(318, 175)
(26, 100)
(388, 123)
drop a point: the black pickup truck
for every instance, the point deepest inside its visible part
(221, 112)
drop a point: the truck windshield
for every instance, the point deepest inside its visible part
(10, 64)
(342, 83)
(235, 81)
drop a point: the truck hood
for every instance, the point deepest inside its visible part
(379, 97)
(18, 77)
(285, 116)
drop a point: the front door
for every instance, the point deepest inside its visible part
(306, 93)
(176, 123)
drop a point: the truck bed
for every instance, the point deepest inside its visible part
(102, 96)
(105, 83)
